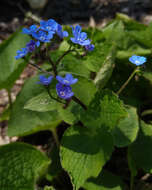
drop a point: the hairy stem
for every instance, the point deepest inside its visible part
(39, 68)
(55, 135)
(74, 98)
(9, 98)
(128, 80)
(53, 97)
(62, 56)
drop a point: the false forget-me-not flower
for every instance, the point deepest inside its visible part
(89, 47)
(21, 53)
(137, 60)
(79, 37)
(60, 32)
(64, 92)
(32, 29)
(67, 80)
(32, 45)
(49, 26)
(45, 80)
(42, 36)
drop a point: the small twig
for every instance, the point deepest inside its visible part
(62, 56)
(74, 98)
(128, 80)
(39, 68)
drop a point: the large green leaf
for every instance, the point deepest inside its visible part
(105, 109)
(130, 24)
(126, 130)
(11, 68)
(115, 32)
(70, 64)
(140, 150)
(20, 166)
(105, 181)
(22, 121)
(41, 103)
(71, 114)
(84, 152)
(144, 37)
(106, 69)
(84, 89)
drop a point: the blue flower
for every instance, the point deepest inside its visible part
(32, 45)
(44, 80)
(42, 36)
(68, 80)
(79, 37)
(32, 29)
(49, 26)
(63, 91)
(21, 53)
(89, 47)
(61, 33)
(137, 60)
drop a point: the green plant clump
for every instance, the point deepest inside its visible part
(93, 92)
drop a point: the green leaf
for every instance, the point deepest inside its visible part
(130, 24)
(70, 64)
(135, 49)
(20, 166)
(10, 67)
(102, 182)
(105, 109)
(74, 65)
(71, 114)
(83, 153)
(23, 122)
(147, 75)
(140, 150)
(49, 188)
(55, 167)
(144, 37)
(106, 69)
(41, 103)
(84, 89)
(127, 129)
(94, 61)
(115, 32)
(132, 167)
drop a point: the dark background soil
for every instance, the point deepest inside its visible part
(66, 11)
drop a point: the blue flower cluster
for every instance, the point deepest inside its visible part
(137, 60)
(45, 32)
(63, 87)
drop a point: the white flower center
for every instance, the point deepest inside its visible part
(137, 62)
(62, 93)
(66, 81)
(42, 38)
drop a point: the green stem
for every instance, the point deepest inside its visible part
(9, 98)
(131, 182)
(54, 68)
(62, 56)
(53, 97)
(128, 80)
(55, 135)
(39, 68)
(74, 98)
